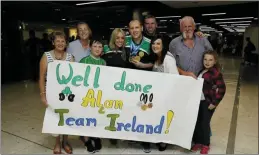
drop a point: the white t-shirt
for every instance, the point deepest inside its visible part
(168, 66)
(200, 76)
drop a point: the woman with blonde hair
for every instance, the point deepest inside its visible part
(58, 53)
(114, 53)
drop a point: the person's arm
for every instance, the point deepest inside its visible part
(173, 51)
(170, 65)
(220, 89)
(142, 65)
(42, 76)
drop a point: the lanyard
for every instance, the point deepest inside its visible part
(134, 48)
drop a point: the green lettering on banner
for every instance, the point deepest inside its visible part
(75, 79)
(96, 77)
(61, 115)
(146, 88)
(112, 122)
(64, 79)
(87, 73)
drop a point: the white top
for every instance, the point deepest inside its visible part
(200, 76)
(168, 66)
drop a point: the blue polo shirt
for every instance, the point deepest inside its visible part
(189, 59)
(76, 49)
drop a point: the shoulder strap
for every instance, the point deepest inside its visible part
(49, 57)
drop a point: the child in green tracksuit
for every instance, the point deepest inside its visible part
(93, 58)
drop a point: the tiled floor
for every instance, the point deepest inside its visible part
(22, 117)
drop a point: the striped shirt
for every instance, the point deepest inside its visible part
(50, 58)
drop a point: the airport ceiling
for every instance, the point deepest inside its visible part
(118, 13)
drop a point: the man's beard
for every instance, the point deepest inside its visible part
(187, 35)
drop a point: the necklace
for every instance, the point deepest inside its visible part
(56, 56)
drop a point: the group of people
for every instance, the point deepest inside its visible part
(144, 49)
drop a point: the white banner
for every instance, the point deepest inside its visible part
(110, 102)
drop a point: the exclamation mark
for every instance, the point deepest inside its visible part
(170, 115)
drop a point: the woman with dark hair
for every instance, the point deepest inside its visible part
(165, 61)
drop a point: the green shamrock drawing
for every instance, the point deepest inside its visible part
(67, 91)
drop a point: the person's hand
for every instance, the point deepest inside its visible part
(191, 74)
(44, 100)
(211, 107)
(200, 34)
(138, 64)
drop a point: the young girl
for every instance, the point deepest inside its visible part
(213, 91)
(93, 58)
(58, 53)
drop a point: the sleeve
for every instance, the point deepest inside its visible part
(69, 49)
(152, 57)
(220, 89)
(172, 48)
(82, 60)
(170, 65)
(173, 51)
(207, 45)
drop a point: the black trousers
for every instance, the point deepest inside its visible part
(202, 129)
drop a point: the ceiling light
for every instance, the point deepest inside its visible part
(240, 24)
(233, 22)
(163, 20)
(213, 14)
(63, 19)
(255, 18)
(240, 30)
(91, 3)
(198, 23)
(232, 18)
(169, 17)
(223, 25)
(230, 30)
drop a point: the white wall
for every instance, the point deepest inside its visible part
(251, 32)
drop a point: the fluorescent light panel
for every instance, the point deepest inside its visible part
(233, 22)
(241, 24)
(169, 17)
(213, 14)
(232, 18)
(91, 3)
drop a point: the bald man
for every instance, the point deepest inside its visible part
(188, 49)
(138, 48)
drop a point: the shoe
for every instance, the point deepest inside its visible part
(205, 149)
(67, 149)
(89, 146)
(162, 147)
(97, 144)
(57, 152)
(196, 147)
(146, 147)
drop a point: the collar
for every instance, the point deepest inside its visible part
(94, 57)
(140, 41)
